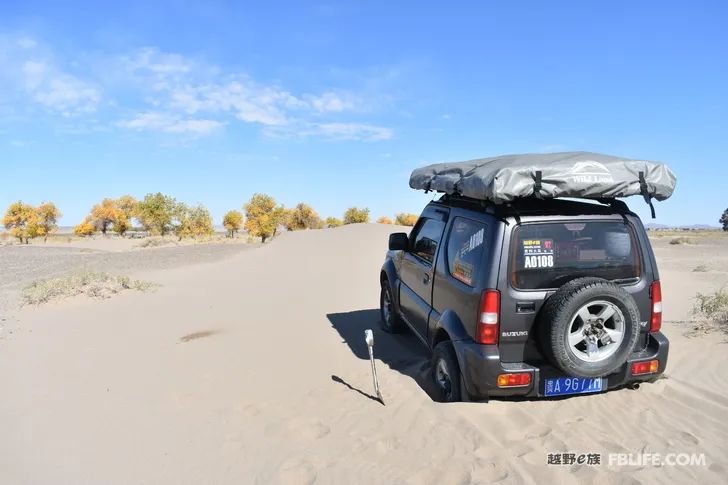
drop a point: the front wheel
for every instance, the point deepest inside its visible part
(446, 373)
(391, 322)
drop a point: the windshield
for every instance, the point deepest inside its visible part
(550, 254)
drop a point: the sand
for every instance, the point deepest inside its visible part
(252, 369)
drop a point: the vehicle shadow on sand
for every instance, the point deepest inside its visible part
(400, 352)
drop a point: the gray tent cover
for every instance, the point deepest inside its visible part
(568, 174)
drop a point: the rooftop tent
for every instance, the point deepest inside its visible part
(548, 175)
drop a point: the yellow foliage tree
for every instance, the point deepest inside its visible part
(47, 223)
(384, 220)
(404, 219)
(127, 206)
(233, 221)
(262, 216)
(354, 215)
(105, 215)
(333, 222)
(22, 221)
(194, 222)
(302, 217)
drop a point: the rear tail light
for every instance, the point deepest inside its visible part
(514, 380)
(489, 317)
(656, 316)
(645, 367)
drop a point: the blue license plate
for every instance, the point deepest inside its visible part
(560, 386)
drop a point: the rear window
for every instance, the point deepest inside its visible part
(548, 255)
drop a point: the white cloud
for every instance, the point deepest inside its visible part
(26, 43)
(333, 131)
(169, 124)
(332, 102)
(64, 93)
(172, 93)
(59, 91)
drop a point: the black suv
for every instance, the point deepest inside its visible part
(533, 298)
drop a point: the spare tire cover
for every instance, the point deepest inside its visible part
(589, 327)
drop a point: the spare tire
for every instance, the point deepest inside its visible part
(589, 327)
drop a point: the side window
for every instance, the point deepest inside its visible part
(465, 249)
(425, 238)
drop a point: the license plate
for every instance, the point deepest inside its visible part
(560, 386)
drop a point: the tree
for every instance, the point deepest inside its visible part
(384, 220)
(302, 217)
(404, 219)
(127, 206)
(354, 215)
(84, 229)
(233, 221)
(22, 221)
(724, 220)
(333, 222)
(105, 214)
(193, 221)
(48, 215)
(280, 214)
(262, 216)
(156, 212)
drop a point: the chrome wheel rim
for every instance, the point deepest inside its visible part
(596, 331)
(386, 306)
(442, 378)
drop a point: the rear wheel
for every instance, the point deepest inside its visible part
(390, 320)
(589, 327)
(446, 373)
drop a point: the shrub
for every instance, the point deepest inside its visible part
(84, 229)
(22, 221)
(302, 217)
(333, 222)
(701, 268)
(263, 216)
(724, 220)
(97, 285)
(354, 215)
(155, 241)
(681, 240)
(404, 219)
(713, 308)
(233, 221)
(384, 220)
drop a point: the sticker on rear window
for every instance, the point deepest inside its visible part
(538, 253)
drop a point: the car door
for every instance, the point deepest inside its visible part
(417, 271)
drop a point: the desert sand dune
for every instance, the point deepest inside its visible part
(253, 369)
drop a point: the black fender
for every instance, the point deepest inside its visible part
(450, 327)
(447, 327)
(389, 271)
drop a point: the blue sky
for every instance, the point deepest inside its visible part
(334, 103)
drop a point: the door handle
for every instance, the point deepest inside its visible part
(426, 278)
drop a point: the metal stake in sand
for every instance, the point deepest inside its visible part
(369, 337)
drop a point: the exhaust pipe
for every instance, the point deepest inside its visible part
(633, 385)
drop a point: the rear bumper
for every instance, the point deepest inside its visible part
(480, 366)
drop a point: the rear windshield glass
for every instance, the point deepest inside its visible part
(548, 255)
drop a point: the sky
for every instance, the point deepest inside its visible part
(335, 103)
